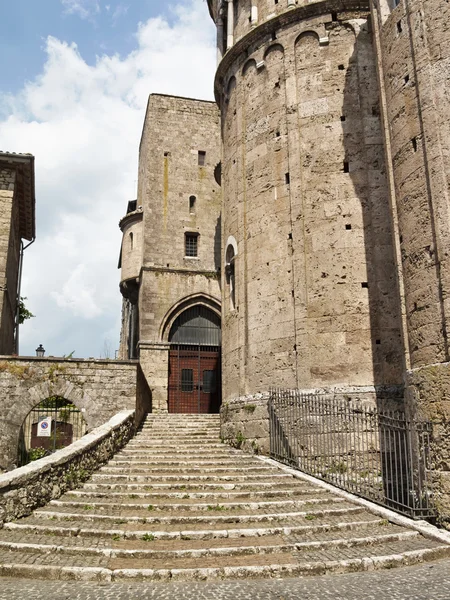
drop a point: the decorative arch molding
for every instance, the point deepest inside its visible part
(308, 34)
(62, 387)
(188, 302)
(272, 48)
(231, 241)
(231, 85)
(248, 65)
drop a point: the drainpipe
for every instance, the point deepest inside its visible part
(19, 282)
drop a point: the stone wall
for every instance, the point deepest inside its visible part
(415, 61)
(31, 486)
(307, 202)
(178, 194)
(99, 388)
(245, 420)
(9, 259)
(427, 397)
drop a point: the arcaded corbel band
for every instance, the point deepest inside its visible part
(230, 24)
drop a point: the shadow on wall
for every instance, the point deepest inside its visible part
(218, 247)
(364, 162)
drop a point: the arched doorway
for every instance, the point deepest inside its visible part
(52, 424)
(194, 362)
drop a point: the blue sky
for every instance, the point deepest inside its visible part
(73, 92)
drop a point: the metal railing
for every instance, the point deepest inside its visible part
(66, 424)
(379, 455)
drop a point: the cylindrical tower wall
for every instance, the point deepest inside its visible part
(416, 62)
(316, 299)
(131, 261)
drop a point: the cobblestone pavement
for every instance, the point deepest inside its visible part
(430, 581)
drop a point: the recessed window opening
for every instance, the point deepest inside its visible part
(348, 226)
(377, 341)
(342, 118)
(346, 167)
(406, 78)
(201, 158)
(276, 1)
(414, 144)
(274, 35)
(277, 84)
(187, 380)
(191, 244)
(364, 284)
(287, 178)
(131, 240)
(230, 274)
(192, 202)
(278, 134)
(399, 27)
(334, 16)
(290, 236)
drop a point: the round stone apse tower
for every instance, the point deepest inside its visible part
(310, 286)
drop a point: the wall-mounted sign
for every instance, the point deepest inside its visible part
(44, 427)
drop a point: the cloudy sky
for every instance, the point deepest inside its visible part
(75, 77)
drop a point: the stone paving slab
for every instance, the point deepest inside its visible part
(420, 582)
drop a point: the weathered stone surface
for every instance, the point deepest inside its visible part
(99, 388)
(25, 489)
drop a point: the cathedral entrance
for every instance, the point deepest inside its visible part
(194, 362)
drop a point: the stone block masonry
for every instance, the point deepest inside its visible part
(99, 388)
(33, 485)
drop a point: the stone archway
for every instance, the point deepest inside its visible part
(194, 361)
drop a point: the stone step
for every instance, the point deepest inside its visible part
(110, 478)
(218, 514)
(125, 463)
(188, 469)
(102, 568)
(121, 530)
(178, 504)
(161, 549)
(189, 504)
(125, 495)
(188, 486)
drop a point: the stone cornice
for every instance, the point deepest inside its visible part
(182, 271)
(300, 13)
(131, 217)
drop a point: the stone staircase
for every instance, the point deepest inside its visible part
(176, 503)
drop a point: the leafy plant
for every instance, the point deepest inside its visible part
(24, 313)
(148, 537)
(36, 453)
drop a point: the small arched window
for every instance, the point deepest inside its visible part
(192, 202)
(230, 257)
(131, 240)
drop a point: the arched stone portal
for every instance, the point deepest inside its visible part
(194, 362)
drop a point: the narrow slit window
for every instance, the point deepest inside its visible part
(399, 27)
(192, 202)
(287, 178)
(406, 78)
(131, 240)
(191, 244)
(201, 158)
(414, 144)
(346, 167)
(187, 380)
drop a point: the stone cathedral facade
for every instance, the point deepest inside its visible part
(302, 231)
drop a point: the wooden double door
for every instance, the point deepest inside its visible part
(194, 379)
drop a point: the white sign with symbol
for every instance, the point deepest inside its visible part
(44, 427)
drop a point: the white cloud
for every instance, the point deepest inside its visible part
(83, 123)
(85, 9)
